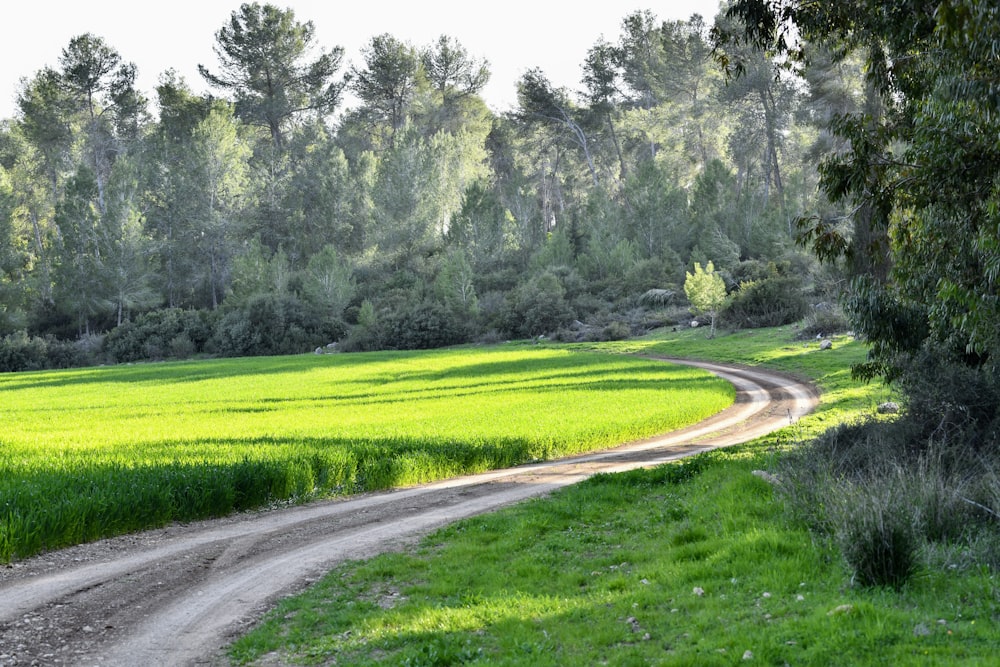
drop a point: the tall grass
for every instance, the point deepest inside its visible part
(97, 452)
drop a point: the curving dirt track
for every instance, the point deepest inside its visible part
(178, 595)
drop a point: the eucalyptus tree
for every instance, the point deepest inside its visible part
(419, 187)
(922, 173)
(41, 158)
(542, 105)
(80, 277)
(128, 260)
(603, 95)
(13, 260)
(172, 215)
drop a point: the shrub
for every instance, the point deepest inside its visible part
(616, 331)
(824, 320)
(537, 307)
(770, 302)
(427, 324)
(266, 324)
(152, 335)
(877, 534)
(21, 352)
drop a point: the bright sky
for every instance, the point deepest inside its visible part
(514, 35)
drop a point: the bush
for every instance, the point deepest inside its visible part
(616, 331)
(158, 334)
(426, 325)
(770, 302)
(21, 352)
(891, 491)
(824, 320)
(266, 324)
(537, 307)
(877, 534)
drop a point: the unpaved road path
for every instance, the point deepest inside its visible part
(178, 595)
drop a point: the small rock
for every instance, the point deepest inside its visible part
(887, 408)
(800, 598)
(644, 582)
(765, 594)
(748, 655)
(694, 324)
(319, 350)
(826, 344)
(698, 590)
(87, 628)
(921, 630)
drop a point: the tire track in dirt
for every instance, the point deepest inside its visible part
(177, 596)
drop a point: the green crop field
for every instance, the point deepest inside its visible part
(96, 452)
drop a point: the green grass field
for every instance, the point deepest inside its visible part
(693, 563)
(102, 451)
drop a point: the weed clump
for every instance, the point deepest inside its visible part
(892, 493)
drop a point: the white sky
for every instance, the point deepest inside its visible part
(514, 35)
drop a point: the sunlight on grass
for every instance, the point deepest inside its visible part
(692, 563)
(95, 452)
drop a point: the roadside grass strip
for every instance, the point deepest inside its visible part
(690, 563)
(97, 452)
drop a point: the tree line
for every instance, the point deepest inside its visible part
(268, 216)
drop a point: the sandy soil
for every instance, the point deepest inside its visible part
(178, 595)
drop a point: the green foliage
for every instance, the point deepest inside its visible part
(425, 325)
(877, 536)
(538, 307)
(166, 333)
(267, 324)
(262, 51)
(768, 302)
(21, 352)
(329, 283)
(210, 201)
(706, 291)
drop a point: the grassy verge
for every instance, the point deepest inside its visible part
(96, 452)
(687, 564)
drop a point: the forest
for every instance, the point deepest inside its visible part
(270, 217)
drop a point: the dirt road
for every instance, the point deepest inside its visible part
(177, 596)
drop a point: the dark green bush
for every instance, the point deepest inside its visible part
(770, 302)
(21, 352)
(266, 324)
(159, 334)
(537, 307)
(426, 325)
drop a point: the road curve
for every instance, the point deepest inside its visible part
(177, 596)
